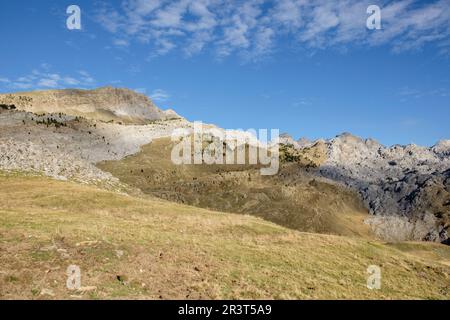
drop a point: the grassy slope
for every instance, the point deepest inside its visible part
(292, 198)
(177, 251)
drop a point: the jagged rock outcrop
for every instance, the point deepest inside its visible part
(303, 142)
(406, 188)
(410, 181)
(106, 104)
(286, 139)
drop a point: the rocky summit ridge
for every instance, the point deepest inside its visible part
(405, 187)
(410, 183)
(106, 104)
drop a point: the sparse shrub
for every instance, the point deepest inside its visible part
(7, 106)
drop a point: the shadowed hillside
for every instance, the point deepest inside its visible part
(293, 198)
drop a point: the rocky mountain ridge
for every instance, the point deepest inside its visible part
(106, 104)
(64, 133)
(409, 183)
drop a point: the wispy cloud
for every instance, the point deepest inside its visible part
(141, 90)
(406, 93)
(121, 43)
(253, 28)
(159, 95)
(44, 78)
(409, 122)
(302, 102)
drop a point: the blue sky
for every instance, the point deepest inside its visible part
(309, 68)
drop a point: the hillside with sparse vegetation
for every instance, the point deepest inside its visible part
(144, 248)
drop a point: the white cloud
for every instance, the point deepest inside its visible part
(205, 19)
(323, 18)
(164, 46)
(171, 15)
(288, 14)
(84, 73)
(407, 93)
(121, 42)
(241, 29)
(20, 85)
(41, 78)
(141, 90)
(409, 122)
(71, 81)
(302, 102)
(143, 7)
(49, 80)
(86, 78)
(252, 28)
(48, 83)
(197, 44)
(159, 95)
(45, 66)
(110, 19)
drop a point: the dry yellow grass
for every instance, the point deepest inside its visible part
(292, 198)
(130, 247)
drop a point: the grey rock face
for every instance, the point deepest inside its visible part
(288, 140)
(403, 181)
(303, 142)
(67, 148)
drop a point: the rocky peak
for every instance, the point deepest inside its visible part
(401, 180)
(442, 148)
(303, 142)
(105, 103)
(286, 139)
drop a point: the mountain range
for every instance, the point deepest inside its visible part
(117, 142)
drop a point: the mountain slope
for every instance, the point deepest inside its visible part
(67, 147)
(129, 247)
(406, 188)
(106, 104)
(292, 198)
